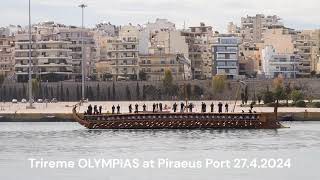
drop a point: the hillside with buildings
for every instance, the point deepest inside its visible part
(261, 47)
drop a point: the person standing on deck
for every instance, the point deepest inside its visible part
(100, 109)
(174, 107)
(190, 107)
(113, 108)
(220, 107)
(182, 107)
(204, 107)
(160, 107)
(130, 108)
(95, 109)
(227, 107)
(144, 108)
(137, 108)
(212, 107)
(118, 109)
(153, 107)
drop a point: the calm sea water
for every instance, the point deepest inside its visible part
(71, 142)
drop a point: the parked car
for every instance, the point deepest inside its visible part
(24, 101)
(14, 101)
(54, 100)
(39, 101)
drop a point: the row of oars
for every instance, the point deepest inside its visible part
(178, 124)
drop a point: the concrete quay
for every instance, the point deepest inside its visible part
(62, 111)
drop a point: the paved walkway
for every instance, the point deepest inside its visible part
(65, 107)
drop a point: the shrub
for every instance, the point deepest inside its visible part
(316, 104)
(268, 97)
(296, 95)
(300, 104)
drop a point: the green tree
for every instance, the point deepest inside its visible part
(67, 95)
(268, 97)
(78, 93)
(2, 78)
(91, 96)
(35, 88)
(144, 96)
(109, 94)
(128, 93)
(168, 86)
(24, 91)
(296, 95)
(62, 92)
(113, 92)
(218, 83)
(138, 91)
(98, 92)
(142, 76)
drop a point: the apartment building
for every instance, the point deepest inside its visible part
(199, 40)
(274, 63)
(119, 55)
(6, 54)
(87, 55)
(233, 29)
(225, 52)
(51, 60)
(253, 27)
(249, 59)
(161, 52)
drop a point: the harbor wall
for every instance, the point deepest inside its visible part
(143, 90)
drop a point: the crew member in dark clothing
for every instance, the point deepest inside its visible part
(100, 109)
(144, 107)
(220, 107)
(190, 107)
(95, 109)
(204, 107)
(212, 107)
(174, 107)
(160, 107)
(89, 112)
(130, 108)
(137, 108)
(154, 107)
(113, 108)
(251, 106)
(227, 107)
(182, 107)
(118, 109)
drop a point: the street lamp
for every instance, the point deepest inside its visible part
(82, 6)
(29, 72)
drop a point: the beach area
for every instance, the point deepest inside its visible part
(62, 111)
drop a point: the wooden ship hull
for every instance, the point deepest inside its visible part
(179, 121)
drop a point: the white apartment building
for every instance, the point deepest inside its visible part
(225, 52)
(51, 60)
(274, 64)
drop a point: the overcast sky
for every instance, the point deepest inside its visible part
(298, 14)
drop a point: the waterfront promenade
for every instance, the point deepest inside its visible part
(65, 107)
(62, 111)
